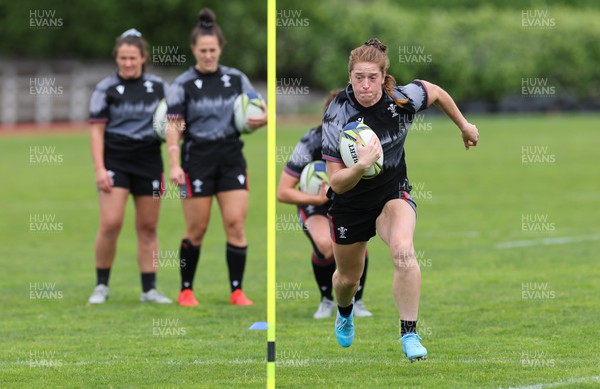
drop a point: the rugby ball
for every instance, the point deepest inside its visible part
(245, 106)
(312, 176)
(348, 146)
(159, 120)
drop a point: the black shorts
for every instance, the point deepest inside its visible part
(138, 185)
(306, 211)
(202, 181)
(134, 165)
(351, 226)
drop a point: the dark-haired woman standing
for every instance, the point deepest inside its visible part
(127, 160)
(210, 162)
(360, 208)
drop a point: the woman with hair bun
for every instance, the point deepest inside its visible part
(209, 162)
(361, 208)
(127, 160)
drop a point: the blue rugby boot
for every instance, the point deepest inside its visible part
(344, 329)
(412, 347)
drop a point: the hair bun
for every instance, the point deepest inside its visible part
(206, 19)
(376, 43)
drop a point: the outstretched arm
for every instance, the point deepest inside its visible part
(442, 100)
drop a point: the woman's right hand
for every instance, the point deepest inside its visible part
(104, 181)
(177, 175)
(370, 153)
(321, 197)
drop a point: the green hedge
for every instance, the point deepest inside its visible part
(89, 28)
(474, 50)
(482, 53)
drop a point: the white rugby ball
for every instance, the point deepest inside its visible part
(245, 106)
(312, 176)
(159, 120)
(349, 150)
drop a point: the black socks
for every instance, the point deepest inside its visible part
(236, 262)
(148, 281)
(102, 276)
(188, 261)
(408, 327)
(323, 270)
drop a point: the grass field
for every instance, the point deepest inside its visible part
(500, 307)
(495, 311)
(50, 338)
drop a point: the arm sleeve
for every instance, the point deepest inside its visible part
(416, 94)
(175, 101)
(246, 84)
(301, 156)
(333, 122)
(99, 112)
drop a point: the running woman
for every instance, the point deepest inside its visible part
(360, 208)
(210, 162)
(127, 160)
(312, 215)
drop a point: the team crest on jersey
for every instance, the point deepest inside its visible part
(225, 78)
(149, 86)
(120, 89)
(342, 231)
(198, 84)
(392, 109)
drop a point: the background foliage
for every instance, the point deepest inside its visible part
(479, 51)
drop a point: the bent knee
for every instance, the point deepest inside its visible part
(324, 246)
(347, 278)
(403, 255)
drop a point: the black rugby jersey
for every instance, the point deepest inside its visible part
(127, 106)
(390, 123)
(307, 150)
(205, 102)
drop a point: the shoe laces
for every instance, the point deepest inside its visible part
(412, 340)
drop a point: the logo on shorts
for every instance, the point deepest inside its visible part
(241, 178)
(225, 80)
(310, 208)
(342, 231)
(111, 175)
(155, 184)
(197, 185)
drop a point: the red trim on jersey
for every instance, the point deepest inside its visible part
(291, 172)
(406, 196)
(332, 229)
(332, 159)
